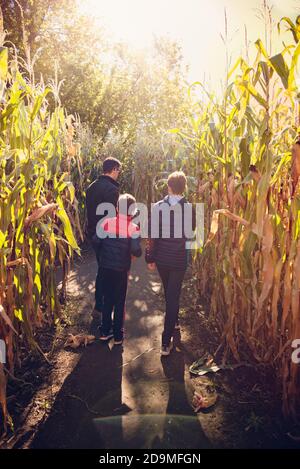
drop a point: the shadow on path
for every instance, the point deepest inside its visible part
(124, 399)
(92, 390)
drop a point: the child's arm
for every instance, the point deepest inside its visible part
(135, 247)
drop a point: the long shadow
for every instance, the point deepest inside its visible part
(182, 428)
(90, 394)
(88, 411)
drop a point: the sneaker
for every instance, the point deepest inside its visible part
(104, 337)
(118, 342)
(166, 350)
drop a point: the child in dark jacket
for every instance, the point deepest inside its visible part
(119, 240)
(168, 252)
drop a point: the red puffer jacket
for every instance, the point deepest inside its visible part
(117, 239)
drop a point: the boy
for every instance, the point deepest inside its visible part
(118, 239)
(168, 251)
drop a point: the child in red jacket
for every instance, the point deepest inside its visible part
(119, 240)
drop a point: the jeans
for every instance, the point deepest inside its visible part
(172, 282)
(114, 284)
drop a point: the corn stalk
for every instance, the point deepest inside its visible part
(37, 210)
(249, 267)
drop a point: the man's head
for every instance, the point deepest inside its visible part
(126, 204)
(176, 183)
(112, 167)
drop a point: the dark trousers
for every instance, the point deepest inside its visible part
(172, 282)
(98, 284)
(114, 285)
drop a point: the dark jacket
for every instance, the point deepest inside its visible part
(122, 242)
(102, 190)
(167, 250)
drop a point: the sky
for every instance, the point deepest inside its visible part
(195, 24)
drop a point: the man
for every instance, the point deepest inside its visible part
(105, 189)
(168, 251)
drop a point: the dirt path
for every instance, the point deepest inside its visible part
(123, 397)
(109, 397)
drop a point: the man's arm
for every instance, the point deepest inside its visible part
(90, 212)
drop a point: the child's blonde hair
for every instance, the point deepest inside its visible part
(126, 204)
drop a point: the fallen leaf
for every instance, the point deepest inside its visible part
(203, 401)
(75, 341)
(203, 365)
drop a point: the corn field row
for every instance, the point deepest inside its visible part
(241, 150)
(38, 210)
(247, 160)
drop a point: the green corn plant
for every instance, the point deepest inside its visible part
(248, 179)
(38, 210)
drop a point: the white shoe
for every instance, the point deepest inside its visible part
(118, 342)
(106, 337)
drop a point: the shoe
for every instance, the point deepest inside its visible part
(105, 337)
(166, 350)
(118, 342)
(177, 326)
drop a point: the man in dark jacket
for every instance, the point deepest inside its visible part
(105, 189)
(166, 249)
(118, 239)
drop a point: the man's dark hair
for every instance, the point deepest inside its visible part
(109, 164)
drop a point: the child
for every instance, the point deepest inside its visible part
(168, 253)
(121, 242)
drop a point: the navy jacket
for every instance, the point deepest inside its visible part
(121, 242)
(103, 190)
(170, 251)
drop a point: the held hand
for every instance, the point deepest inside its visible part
(152, 266)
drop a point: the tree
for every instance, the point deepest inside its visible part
(35, 16)
(119, 93)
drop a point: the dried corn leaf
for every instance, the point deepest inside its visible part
(6, 319)
(39, 213)
(75, 341)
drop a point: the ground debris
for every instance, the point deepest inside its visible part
(75, 341)
(203, 402)
(205, 394)
(206, 364)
